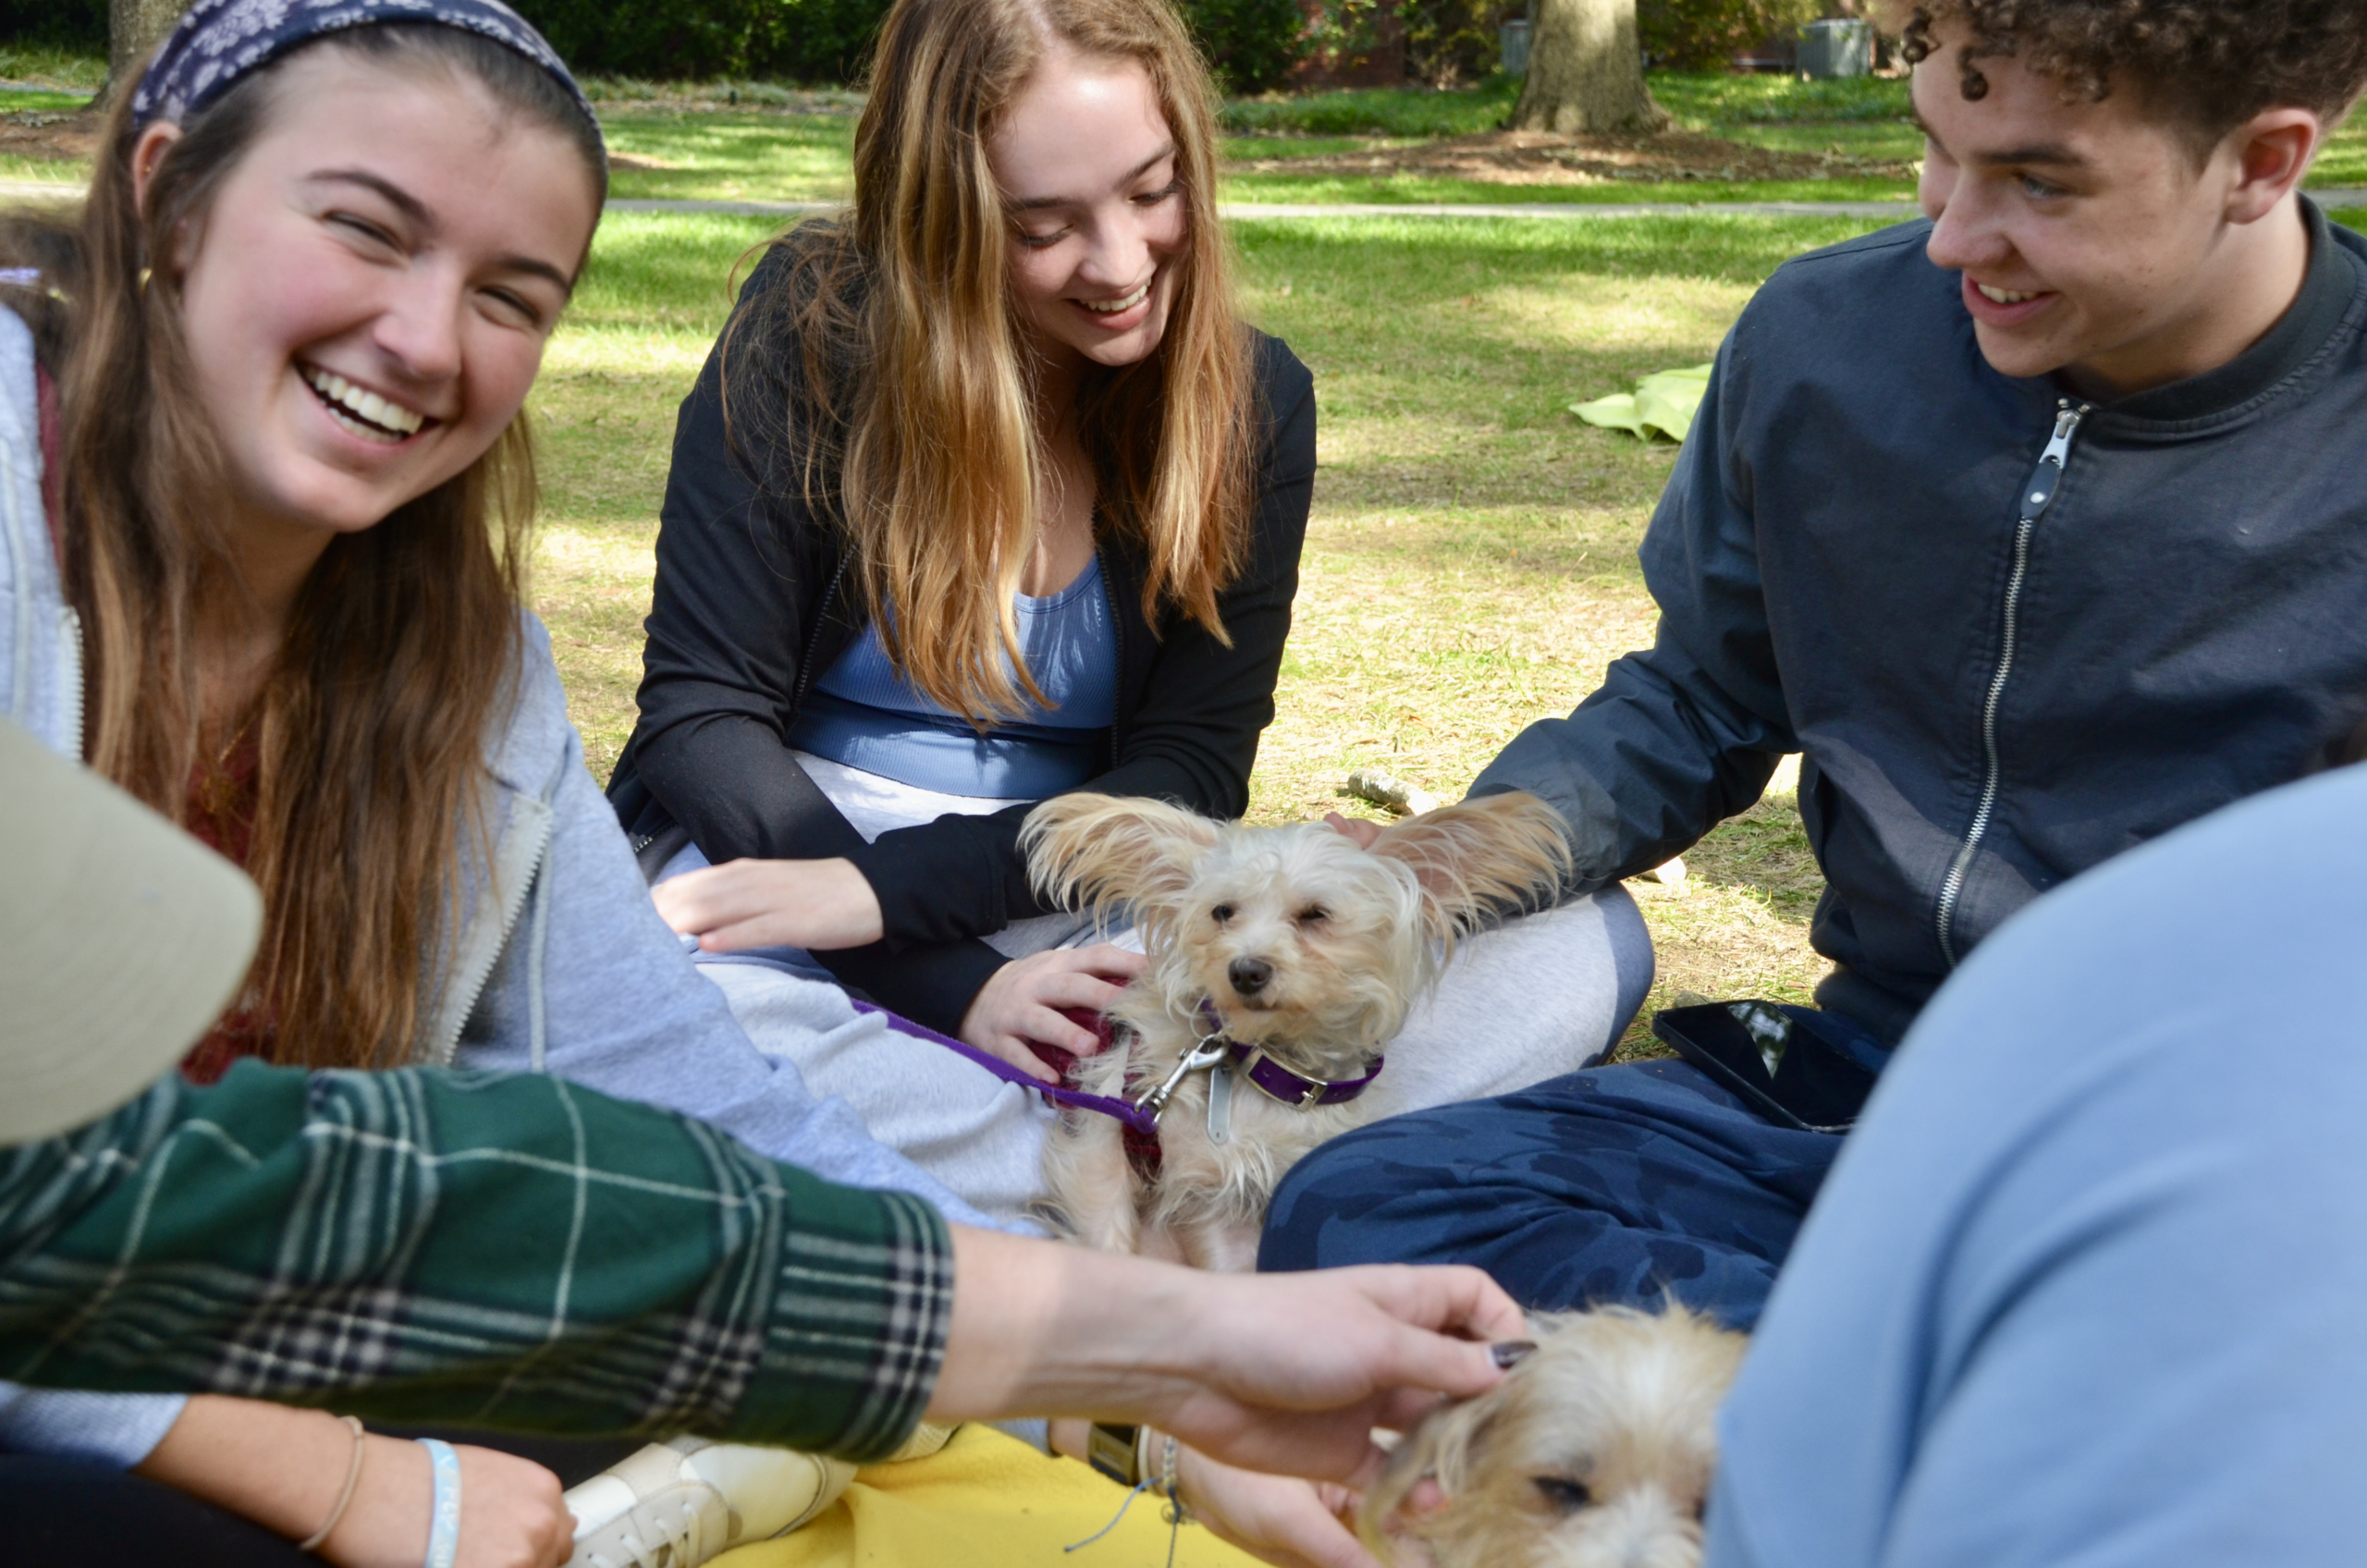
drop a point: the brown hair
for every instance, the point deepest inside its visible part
(920, 436)
(403, 644)
(2207, 64)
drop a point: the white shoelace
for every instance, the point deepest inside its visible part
(676, 1547)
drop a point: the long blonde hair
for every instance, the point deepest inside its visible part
(403, 644)
(920, 436)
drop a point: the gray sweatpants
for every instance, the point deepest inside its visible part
(1530, 1001)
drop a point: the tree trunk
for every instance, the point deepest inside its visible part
(1585, 70)
(134, 27)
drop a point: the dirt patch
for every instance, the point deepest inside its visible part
(1530, 157)
(50, 134)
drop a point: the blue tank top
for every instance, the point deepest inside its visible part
(860, 713)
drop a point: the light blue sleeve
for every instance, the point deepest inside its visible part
(621, 1009)
(117, 1429)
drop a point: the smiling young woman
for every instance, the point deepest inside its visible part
(988, 493)
(270, 584)
(293, 487)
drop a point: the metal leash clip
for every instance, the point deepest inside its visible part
(1207, 1053)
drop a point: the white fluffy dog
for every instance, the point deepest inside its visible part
(1282, 959)
(1595, 1451)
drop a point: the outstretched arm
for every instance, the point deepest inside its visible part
(415, 1244)
(1285, 1372)
(1687, 732)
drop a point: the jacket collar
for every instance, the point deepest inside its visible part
(2328, 291)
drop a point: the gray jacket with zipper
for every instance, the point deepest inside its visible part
(2012, 634)
(561, 965)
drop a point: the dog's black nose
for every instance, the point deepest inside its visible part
(1249, 974)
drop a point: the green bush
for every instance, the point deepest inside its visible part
(1704, 34)
(1252, 44)
(1453, 43)
(808, 40)
(77, 23)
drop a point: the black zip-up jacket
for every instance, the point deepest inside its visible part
(2001, 670)
(754, 601)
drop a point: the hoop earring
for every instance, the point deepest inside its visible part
(143, 282)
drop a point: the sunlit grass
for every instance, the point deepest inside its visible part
(66, 70)
(1398, 188)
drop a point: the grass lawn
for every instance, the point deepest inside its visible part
(1470, 565)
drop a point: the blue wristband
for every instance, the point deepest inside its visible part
(444, 1528)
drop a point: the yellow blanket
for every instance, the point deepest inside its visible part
(985, 1500)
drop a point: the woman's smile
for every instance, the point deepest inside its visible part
(360, 411)
(1126, 311)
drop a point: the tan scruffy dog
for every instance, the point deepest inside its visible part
(1282, 959)
(1595, 1451)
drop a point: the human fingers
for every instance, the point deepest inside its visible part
(1291, 1522)
(823, 904)
(1028, 993)
(698, 901)
(1110, 961)
(1072, 989)
(1445, 1298)
(1332, 1337)
(996, 1022)
(1014, 1049)
(512, 1514)
(1355, 827)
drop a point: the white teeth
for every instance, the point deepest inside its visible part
(371, 415)
(1112, 309)
(2002, 295)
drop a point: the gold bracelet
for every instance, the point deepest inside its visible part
(352, 1474)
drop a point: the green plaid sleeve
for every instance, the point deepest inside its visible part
(512, 1252)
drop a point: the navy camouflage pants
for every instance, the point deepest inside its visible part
(1612, 1185)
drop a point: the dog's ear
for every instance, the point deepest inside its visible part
(1094, 851)
(1441, 1451)
(1482, 860)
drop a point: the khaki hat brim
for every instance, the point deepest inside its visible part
(121, 941)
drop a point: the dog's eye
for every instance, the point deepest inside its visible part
(1313, 914)
(1222, 913)
(1563, 1493)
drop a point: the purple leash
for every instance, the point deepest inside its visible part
(1132, 1115)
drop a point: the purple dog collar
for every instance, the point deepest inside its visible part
(1296, 1089)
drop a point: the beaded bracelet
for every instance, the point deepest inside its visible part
(1176, 1512)
(352, 1474)
(444, 1530)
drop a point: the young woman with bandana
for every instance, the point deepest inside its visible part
(278, 369)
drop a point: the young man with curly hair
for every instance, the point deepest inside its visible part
(2036, 527)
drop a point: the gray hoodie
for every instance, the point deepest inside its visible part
(562, 964)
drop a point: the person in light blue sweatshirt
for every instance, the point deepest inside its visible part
(259, 568)
(2085, 1284)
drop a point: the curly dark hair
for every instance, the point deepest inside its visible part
(2208, 64)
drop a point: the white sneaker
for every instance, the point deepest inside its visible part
(676, 1504)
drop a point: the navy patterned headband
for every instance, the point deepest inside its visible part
(220, 41)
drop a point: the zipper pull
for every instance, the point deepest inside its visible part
(2039, 492)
